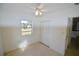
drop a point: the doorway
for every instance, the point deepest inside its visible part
(73, 46)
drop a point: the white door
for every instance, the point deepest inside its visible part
(45, 33)
(69, 30)
(54, 34)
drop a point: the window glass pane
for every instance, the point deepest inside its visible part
(26, 28)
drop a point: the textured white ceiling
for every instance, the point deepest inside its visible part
(11, 13)
(29, 6)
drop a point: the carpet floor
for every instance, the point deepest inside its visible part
(36, 49)
(72, 50)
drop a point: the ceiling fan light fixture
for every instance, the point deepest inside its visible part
(39, 10)
(41, 13)
(38, 13)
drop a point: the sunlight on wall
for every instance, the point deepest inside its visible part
(23, 45)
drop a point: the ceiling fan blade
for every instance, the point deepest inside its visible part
(43, 10)
(41, 6)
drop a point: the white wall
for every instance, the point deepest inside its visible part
(1, 41)
(57, 18)
(10, 37)
(11, 16)
(55, 34)
(1, 46)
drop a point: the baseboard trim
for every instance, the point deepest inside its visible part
(6, 53)
(44, 44)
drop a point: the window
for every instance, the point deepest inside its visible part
(75, 26)
(26, 28)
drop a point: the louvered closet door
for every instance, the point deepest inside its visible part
(54, 34)
(45, 33)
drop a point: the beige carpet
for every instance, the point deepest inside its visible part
(36, 49)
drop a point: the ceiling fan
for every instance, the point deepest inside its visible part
(39, 9)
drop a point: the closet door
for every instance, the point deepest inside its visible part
(54, 34)
(48, 34)
(45, 33)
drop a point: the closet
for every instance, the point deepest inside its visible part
(53, 34)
